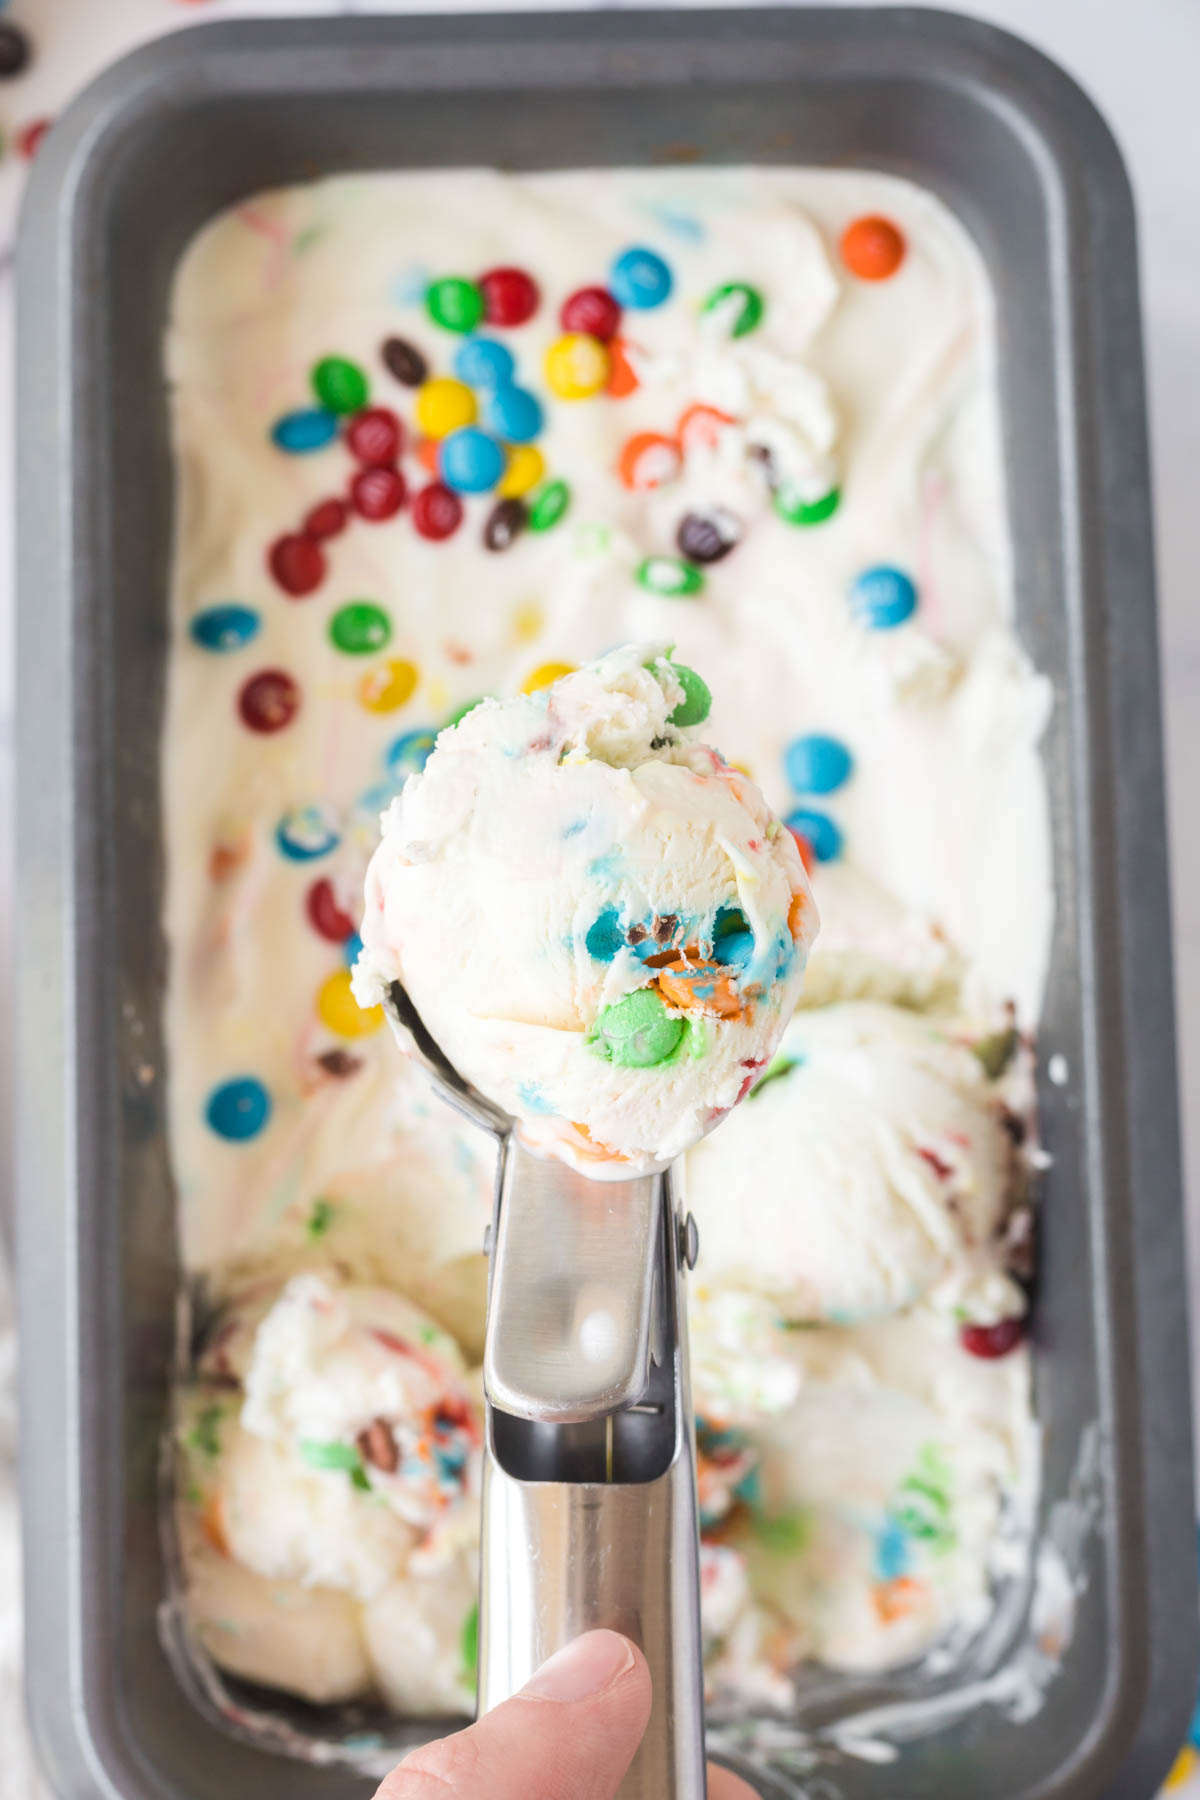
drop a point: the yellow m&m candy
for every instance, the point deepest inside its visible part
(524, 469)
(339, 1010)
(443, 406)
(577, 366)
(386, 688)
(544, 674)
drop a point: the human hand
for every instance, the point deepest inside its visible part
(570, 1734)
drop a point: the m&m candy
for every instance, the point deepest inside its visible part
(640, 279)
(484, 363)
(882, 598)
(327, 918)
(306, 832)
(548, 506)
(225, 627)
(708, 536)
(545, 675)
(737, 306)
(637, 1032)
(339, 385)
(268, 701)
(311, 428)
(470, 461)
(238, 1109)
(701, 428)
(696, 704)
(437, 511)
(14, 51)
(819, 830)
(410, 752)
(326, 519)
(872, 248)
(375, 436)
(506, 521)
(816, 764)
(360, 627)
(297, 564)
(593, 311)
(992, 1341)
(622, 376)
(512, 413)
(377, 494)
(340, 1012)
(667, 575)
(352, 949)
(799, 507)
(576, 366)
(524, 469)
(455, 304)
(445, 405)
(648, 459)
(404, 361)
(387, 688)
(510, 296)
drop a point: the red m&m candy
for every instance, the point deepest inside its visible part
(437, 511)
(592, 310)
(510, 296)
(375, 436)
(326, 519)
(325, 915)
(992, 1341)
(269, 700)
(377, 494)
(297, 563)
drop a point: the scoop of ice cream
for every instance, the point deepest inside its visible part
(598, 919)
(343, 1438)
(873, 948)
(421, 1639)
(872, 1166)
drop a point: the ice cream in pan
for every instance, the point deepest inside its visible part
(592, 931)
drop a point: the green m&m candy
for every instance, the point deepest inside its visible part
(696, 704)
(360, 628)
(548, 506)
(339, 385)
(669, 575)
(638, 1031)
(454, 304)
(742, 304)
(799, 510)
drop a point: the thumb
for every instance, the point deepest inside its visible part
(570, 1734)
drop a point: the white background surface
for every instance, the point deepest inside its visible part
(1140, 60)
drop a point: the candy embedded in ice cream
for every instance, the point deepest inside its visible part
(343, 1441)
(874, 1167)
(598, 919)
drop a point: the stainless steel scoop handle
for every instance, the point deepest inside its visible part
(589, 1487)
(590, 1515)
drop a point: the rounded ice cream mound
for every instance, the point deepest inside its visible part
(874, 1167)
(599, 920)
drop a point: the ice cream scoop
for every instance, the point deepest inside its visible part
(596, 916)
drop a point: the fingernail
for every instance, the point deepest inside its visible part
(585, 1667)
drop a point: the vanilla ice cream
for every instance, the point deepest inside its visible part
(598, 919)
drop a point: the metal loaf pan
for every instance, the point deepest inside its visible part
(154, 148)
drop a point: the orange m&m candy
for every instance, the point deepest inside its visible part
(622, 376)
(872, 248)
(648, 460)
(700, 428)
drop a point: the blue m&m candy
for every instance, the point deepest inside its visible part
(816, 764)
(819, 830)
(309, 429)
(470, 461)
(882, 598)
(513, 413)
(482, 362)
(238, 1109)
(639, 279)
(351, 949)
(410, 752)
(305, 833)
(225, 627)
